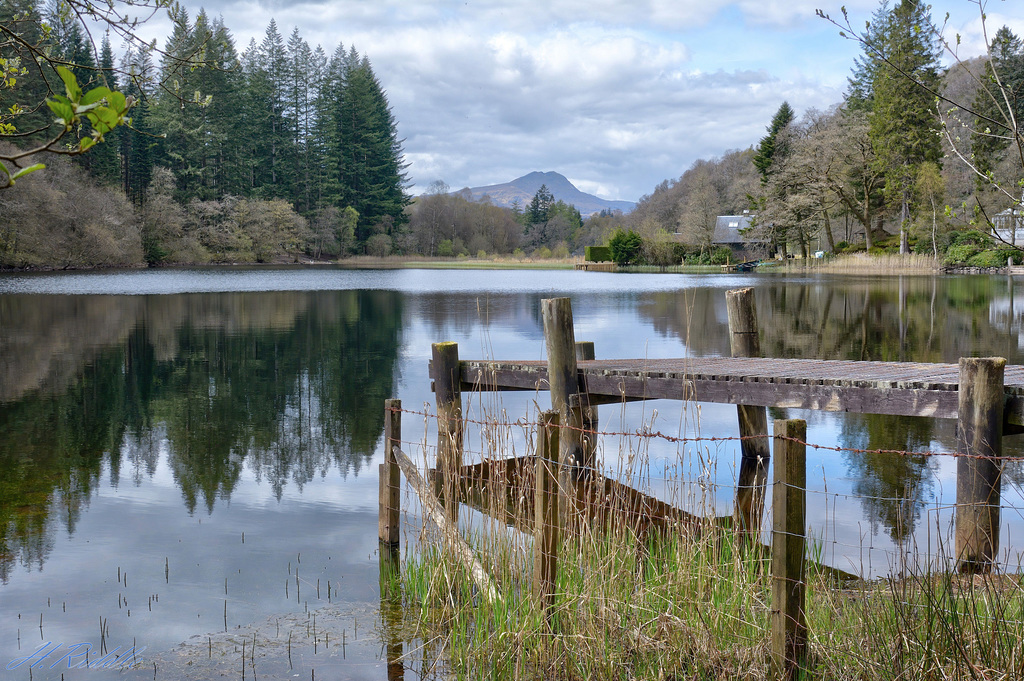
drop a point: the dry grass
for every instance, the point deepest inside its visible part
(862, 263)
(685, 604)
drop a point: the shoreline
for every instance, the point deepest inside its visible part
(852, 265)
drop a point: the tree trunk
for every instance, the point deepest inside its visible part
(828, 232)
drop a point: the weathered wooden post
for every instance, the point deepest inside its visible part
(755, 454)
(979, 468)
(448, 396)
(546, 523)
(585, 351)
(563, 380)
(390, 476)
(789, 624)
(391, 609)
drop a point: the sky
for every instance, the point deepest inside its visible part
(616, 95)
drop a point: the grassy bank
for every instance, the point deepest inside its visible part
(690, 602)
(685, 608)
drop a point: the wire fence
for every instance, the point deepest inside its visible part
(877, 539)
(676, 575)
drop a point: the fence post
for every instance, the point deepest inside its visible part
(585, 351)
(753, 421)
(546, 524)
(390, 475)
(789, 625)
(563, 381)
(979, 468)
(391, 609)
(448, 395)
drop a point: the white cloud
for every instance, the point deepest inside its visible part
(616, 95)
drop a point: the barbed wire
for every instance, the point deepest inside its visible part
(700, 439)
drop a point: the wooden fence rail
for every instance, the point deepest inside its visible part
(563, 480)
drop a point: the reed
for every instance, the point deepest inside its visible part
(688, 601)
(862, 263)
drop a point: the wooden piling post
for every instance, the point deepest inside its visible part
(390, 475)
(789, 507)
(448, 395)
(391, 609)
(563, 380)
(753, 421)
(585, 351)
(547, 525)
(979, 468)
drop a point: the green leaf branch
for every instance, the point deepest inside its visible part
(104, 110)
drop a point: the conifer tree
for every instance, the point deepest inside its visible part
(1004, 68)
(771, 146)
(904, 120)
(371, 170)
(136, 141)
(105, 163)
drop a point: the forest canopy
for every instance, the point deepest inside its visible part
(207, 130)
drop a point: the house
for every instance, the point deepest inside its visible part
(729, 230)
(1008, 226)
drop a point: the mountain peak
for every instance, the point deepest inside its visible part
(523, 188)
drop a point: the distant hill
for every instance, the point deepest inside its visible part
(525, 187)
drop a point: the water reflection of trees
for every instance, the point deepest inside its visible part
(287, 384)
(890, 487)
(918, 319)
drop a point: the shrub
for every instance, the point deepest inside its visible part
(445, 249)
(993, 258)
(379, 245)
(626, 247)
(721, 255)
(959, 254)
(597, 254)
(481, 254)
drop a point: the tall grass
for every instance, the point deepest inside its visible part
(862, 263)
(691, 601)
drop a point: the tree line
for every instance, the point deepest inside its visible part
(303, 140)
(916, 157)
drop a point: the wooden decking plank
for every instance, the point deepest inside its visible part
(911, 388)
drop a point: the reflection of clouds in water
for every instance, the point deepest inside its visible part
(1007, 312)
(297, 490)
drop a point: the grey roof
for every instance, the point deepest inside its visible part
(727, 229)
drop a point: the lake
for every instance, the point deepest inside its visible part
(188, 457)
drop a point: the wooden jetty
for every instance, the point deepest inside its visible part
(559, 486)
(897, 388)
(602, 266)
(983, 394)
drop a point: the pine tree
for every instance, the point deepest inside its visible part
(299, 114)
(1004, 75)
(770, 146)
(371, 171)
(268, 128)
(861, 94)
(321, 146)
(540, 205)
(105, 163)
(178, 148)
(903, 119)
(136, 141)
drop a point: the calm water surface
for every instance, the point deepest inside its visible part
(188, 457)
